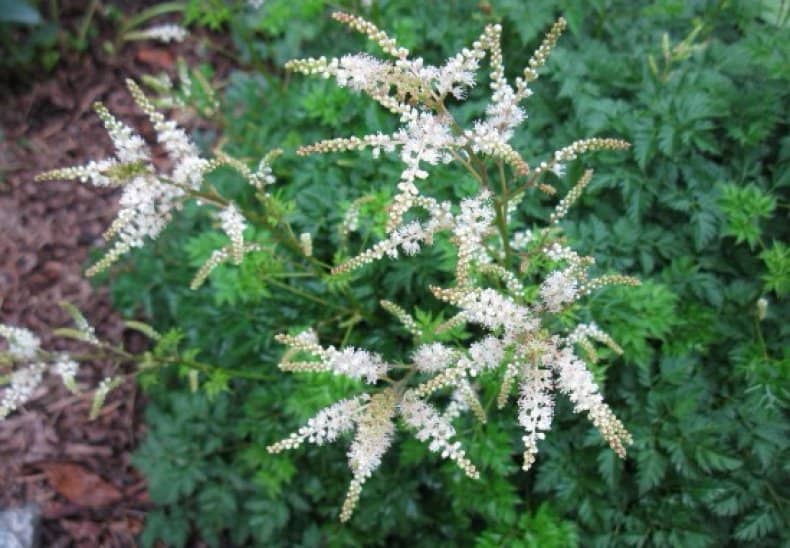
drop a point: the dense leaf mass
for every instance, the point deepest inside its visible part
(701, 89)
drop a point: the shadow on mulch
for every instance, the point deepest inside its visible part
(78, 471)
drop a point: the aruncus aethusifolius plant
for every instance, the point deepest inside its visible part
(509, 285)
(491, 263)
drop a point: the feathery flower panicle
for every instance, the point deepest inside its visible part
(326, 426)
(150, 195)
(22, 383)
(163, 33)
(466, 392)
(351, 362)
(416, 92)
(233, 224)
(357, 364)
(67, 368)
(516, 311)
(218, 257)
(535, 410)
(485, 354)
(262, 177)
(495, 311)
(403, 317)
(585, 331)
(565, 204)
(471, 226)
(22, 343)
(496, 271)
(432, 427)
(540, 56)
(408, 237)
(434, 357)
(572, 151)
(574, 379)
(608, 279)
(375, 430)
(559, 289)
(106, 386)
(386, 43)
(29, 362)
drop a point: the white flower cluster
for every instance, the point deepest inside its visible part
(535, 410)
(416, 92)
(520, 336)
(357, 364)
(432, 427)
(24, 349)
(375, 430)
(373, 417)
(22, 383)
(351, 362)
(426, 137)
(574, 379)
(150, 195)
(493, 310)
(233, 224)
(164, 33)
(66, 368)
(485, 354)
(22, 343)
(560, 288)
(538, 363)
(434, 357)
(326, 426)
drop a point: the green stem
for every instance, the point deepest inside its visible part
(468, 166)
(86, 21)
(531, 182)
(285, 237)
(209, 369)
(503, 205)
(150, 13)
(305, 295)
(400, 386)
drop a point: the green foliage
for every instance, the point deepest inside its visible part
(27, 41)
(212, 14)
(698, 211)
(777, 266)
(541, 529)
(744, 207)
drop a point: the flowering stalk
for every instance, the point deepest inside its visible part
(520, 345)
(511, 288)
(24, 363)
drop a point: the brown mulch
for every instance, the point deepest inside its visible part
(78, 471)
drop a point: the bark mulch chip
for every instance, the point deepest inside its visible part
(77, 471)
